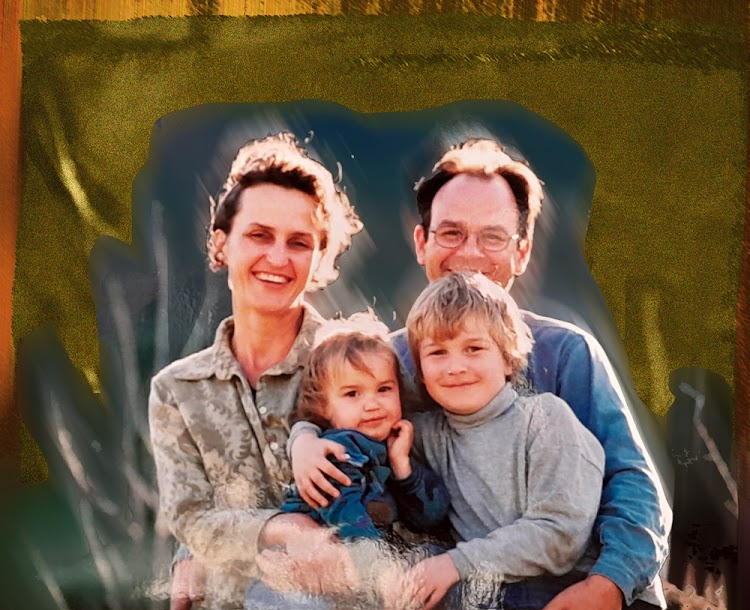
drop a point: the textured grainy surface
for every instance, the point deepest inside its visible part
(660, 110)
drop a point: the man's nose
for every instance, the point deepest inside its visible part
(470, 248)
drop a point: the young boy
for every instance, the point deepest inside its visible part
(524, 475)
(351, 389)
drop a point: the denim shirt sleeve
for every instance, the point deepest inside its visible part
(634, 517)
(422, 498)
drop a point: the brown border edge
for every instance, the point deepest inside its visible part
(742, 367)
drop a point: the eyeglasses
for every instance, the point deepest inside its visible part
(489, 241)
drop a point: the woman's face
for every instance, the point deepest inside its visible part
(272, 248)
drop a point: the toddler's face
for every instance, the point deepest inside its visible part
(368, 402)
(464, 372)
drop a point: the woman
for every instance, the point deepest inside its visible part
(218, 418)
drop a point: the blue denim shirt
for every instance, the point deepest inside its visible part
(634, 517)
(420, 501)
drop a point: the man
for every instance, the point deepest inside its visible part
(478, 212)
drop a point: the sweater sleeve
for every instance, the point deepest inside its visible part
(218, 537)
(634, 516)
(564, 479)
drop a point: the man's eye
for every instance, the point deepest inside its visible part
(494, 238)
(451, 233)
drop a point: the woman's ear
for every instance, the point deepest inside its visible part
(218, 241)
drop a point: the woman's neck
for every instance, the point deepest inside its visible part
(262, 341)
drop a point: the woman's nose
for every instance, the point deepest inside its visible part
(277, 253)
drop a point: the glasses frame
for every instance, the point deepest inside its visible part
(511, 238)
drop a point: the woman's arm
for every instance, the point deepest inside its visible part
(214, 535)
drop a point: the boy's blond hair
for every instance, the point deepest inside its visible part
(442, 309)
(338, 343)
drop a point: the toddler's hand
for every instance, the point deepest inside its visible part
(399, 445)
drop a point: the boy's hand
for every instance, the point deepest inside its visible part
(432, 578)
(310, 464)
(399, 445)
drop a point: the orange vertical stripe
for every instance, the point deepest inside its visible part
(10, 197)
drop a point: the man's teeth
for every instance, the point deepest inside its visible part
(271, 277)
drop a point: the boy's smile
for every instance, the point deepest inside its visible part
(464, 372)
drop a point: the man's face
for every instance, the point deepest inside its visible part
(476, 205)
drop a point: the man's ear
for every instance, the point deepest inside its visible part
(521, 256)
(420, 240)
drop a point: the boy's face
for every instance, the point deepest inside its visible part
(367, 402)
(464, 372)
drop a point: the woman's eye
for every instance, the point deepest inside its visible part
(300, 245)
(260, 236)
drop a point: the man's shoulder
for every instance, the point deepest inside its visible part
(553, 332)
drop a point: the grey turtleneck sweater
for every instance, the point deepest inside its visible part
(525, 478)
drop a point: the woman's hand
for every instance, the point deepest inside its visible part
(399, 446)
(431, 579)
(314, 562)
(310, 464)
(188, 584)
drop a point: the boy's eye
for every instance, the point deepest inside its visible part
(435, 352)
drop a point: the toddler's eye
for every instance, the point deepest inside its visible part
(385, 388)
(351, 394)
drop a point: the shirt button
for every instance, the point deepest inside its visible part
(274, 446)
(263, 410)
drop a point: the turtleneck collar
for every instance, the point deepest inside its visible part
(495, 408)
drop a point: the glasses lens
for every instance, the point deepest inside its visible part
(450, 237)
(493, 242)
